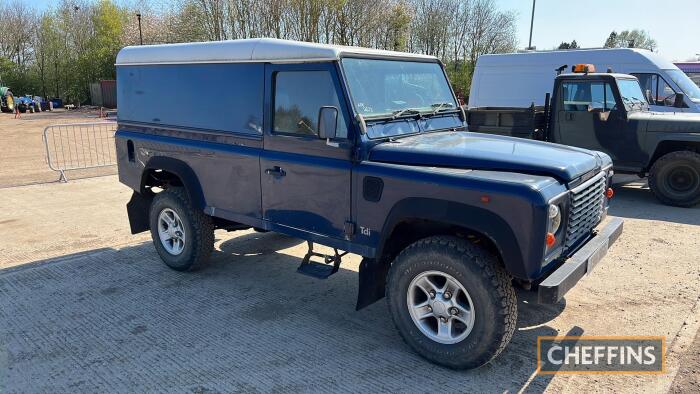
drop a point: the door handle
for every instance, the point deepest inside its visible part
(569, 116)
(275, 171)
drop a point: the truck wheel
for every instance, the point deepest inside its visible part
(183, 235)
(452, 302)
(675, 178)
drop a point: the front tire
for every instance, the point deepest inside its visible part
(452, 302)
(182, 234)
(675, 179)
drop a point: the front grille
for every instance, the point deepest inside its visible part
(586, 209)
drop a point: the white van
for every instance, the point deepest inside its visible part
(520, 79)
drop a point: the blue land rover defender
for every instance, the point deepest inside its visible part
(364, 151)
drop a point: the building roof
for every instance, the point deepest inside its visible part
(250, 50)
(689, 67)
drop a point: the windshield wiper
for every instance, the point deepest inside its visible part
(405, 111)
(634, 100)
(629, 101)
(437, 107)
(640, 101)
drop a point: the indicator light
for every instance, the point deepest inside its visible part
(551, 240)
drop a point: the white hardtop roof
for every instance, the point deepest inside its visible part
(269, 50)
(594, 56)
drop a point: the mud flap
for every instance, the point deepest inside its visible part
(372, 282)
(138, 209)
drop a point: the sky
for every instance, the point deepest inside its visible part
(674, 24)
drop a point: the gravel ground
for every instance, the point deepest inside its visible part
(23, 158)
(86, 306)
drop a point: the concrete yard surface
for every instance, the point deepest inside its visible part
(87, 307)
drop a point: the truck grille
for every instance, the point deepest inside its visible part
(586, 209)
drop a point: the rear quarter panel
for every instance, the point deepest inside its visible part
(162, 114)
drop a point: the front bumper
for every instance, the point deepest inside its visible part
(564, 278)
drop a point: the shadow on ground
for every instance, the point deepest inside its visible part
(119, 320)
(634, 200)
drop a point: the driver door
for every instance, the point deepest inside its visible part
(591, 116)
(306, 181)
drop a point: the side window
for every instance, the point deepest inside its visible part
(597, 96)
(647, 82)
(610, 104)
(656, 89)
(587, 96)
(665, 94)
(298, 97)
(576, 95)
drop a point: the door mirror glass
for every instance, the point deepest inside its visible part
(327, 122)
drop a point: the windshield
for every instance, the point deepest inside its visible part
(631, 93)
(686, 84)
(397, 88)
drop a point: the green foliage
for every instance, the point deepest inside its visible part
(19, 79)
(630, 39)
(460, 76)
(566, 45)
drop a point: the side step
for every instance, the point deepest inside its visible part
(320, 270)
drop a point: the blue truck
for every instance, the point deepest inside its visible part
(366, 152)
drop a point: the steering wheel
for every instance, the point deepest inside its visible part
(669, 100)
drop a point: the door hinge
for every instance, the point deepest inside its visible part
(349, 229)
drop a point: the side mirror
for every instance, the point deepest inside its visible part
(679, 101)
(649, 97)
(327, 122)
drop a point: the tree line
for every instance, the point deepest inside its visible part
(59, 51)
(625, 39)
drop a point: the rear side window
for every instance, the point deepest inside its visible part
(587, 96)
(299, 95)
(215, 97)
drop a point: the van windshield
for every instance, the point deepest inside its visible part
(395, 88)
(686, 84)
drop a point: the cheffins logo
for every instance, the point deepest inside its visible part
(601, 355)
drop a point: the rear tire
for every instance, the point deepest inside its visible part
(483, 332)
(675, 179)
(182, 234)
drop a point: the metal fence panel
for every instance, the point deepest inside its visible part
(80, 146)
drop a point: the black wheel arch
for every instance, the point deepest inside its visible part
(428, 217)
(673, 143)
(181, 170)
(171, 171)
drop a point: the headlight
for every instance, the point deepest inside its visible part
(554, 218)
